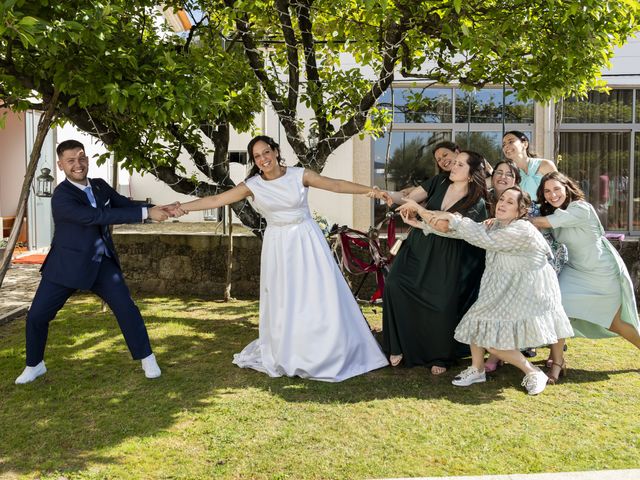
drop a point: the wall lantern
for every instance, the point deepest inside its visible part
(45, 183)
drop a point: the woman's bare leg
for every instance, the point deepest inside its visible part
(477, 357)
(557, 358)
(625, 330)
(515, 358)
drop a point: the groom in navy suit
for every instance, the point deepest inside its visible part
(83, 256)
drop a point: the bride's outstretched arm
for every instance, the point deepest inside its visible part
(313, 179)
(236, 194)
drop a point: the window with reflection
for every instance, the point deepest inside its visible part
(410, 161)
(485, 106)
(600, 107)
(599, 162)
(488, 144)
(419, 105)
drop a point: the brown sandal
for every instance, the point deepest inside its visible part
(563, 372)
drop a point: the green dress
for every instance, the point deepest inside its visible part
(432, 283)
(595, 282)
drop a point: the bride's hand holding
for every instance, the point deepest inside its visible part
(376, 193)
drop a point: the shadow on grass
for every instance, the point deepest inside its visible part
(94, 397)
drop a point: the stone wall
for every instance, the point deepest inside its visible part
(195, 264)
(630, 253)
(189, 264)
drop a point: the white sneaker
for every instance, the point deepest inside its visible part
(535, 382)
(469, 376)
(150, 367)
(29, 374)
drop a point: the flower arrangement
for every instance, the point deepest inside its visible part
(323, 223)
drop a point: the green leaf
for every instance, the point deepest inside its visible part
(28, 21)
(26, 39)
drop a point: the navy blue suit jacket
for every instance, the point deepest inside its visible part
(82, 232)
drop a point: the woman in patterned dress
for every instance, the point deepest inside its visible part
(519, 302)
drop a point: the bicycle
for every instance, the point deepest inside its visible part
(370, 256)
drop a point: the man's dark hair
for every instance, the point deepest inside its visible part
(68, 145)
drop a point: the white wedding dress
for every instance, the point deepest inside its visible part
(310, 324)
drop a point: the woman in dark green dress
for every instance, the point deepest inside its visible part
(434, 280)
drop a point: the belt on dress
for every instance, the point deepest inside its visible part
(294, 221)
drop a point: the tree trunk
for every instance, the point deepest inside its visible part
(227, 288)
(559, 105)
(114, 185)
(43, 129)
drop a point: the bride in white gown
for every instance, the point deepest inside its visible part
(310, 324)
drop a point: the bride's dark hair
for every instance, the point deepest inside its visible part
(272, 144)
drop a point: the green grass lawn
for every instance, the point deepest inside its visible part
(94, 415)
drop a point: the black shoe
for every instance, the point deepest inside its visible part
(529, 352)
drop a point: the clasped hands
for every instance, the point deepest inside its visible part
(380, 195)
(415, 215)
(160, 213)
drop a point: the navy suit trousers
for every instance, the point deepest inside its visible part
(111, 287)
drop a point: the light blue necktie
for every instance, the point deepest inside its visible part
(90, 196)
(103, 247)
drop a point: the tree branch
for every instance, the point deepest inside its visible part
(192, 31)
(314, 84)
(282, 7)
(286, 116)
(219, 172)
(355, 124)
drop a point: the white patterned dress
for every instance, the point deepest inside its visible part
(519, 304)
(310, 324)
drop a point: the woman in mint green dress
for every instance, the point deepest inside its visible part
(597, 293)
(515, 147)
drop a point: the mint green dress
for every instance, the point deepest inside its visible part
(594, 282)
(530, 180)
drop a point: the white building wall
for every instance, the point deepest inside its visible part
(625, 65)
(12, 163)
(145, 185)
